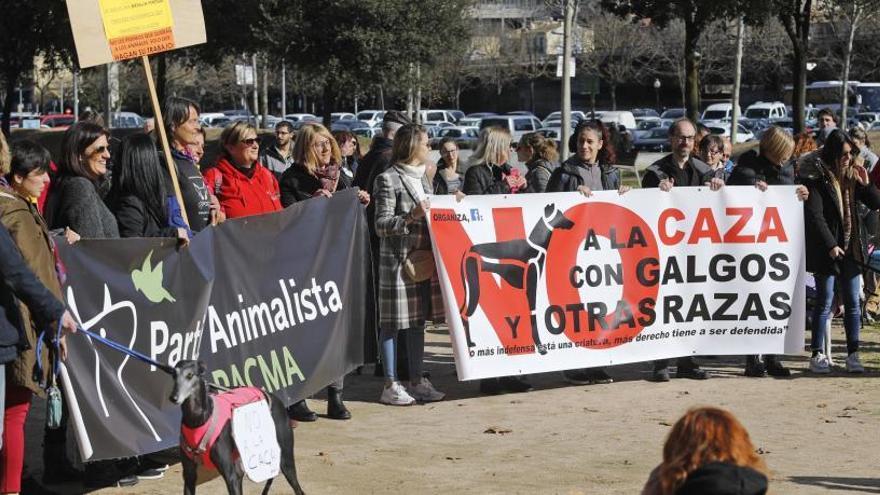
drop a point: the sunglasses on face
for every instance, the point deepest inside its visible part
(251, 141)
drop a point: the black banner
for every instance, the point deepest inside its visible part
(275, 301)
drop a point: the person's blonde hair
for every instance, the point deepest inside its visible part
(233, 135)
(701, 436)
(5, 156)
(493, 140)
(776, 145)
(407, 141)
(304, 154)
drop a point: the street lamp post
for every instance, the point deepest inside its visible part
(657, 92)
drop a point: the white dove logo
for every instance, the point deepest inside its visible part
(148, 280)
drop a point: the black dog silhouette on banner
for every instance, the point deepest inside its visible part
(519, 262)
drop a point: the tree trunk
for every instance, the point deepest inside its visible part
(532, 95)
(458, 96)
(265, 94)
(327, 104)
(847, 57)
(692, 71)
(737, 77)
(799, 90)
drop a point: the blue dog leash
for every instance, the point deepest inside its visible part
(125, 350)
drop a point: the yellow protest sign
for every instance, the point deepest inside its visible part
(108, 30)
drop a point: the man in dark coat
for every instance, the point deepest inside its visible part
(680, 169)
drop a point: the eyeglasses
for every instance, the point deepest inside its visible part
(323, 144)
(714, 152)
(684, 138)
(448, 152)
(251, 141)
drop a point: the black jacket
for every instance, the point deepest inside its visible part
(723, 478)
(666, 167)
(76, 202)
(567, 178)
(20, 284)
(485, 179)
(297, 184)
(376, 161)
(752, 167)
(539, 175)
(823, 219)
(135, 220)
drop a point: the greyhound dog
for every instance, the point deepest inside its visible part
(519, 262)
(201, 409)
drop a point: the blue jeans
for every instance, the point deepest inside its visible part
(852, 316)
(415, 352)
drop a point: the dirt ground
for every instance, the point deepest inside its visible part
(817, 434)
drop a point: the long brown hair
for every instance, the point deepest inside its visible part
(542, 148)
(703, 435)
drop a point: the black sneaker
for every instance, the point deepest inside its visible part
(754, 367)
(514, 384)
(692, 373)
(591, 376)
(661, 375)
(775, 368)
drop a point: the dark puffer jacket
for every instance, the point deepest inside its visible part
(567, 177)
(752, 167)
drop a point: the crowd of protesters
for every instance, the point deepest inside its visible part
(101, 189)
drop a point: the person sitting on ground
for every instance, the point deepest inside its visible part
(76, 200)
(768, 166)
(138, 195)
(540, 156)
(708, 451)
(243, 186)
(447, 180)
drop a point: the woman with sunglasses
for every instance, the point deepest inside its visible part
(243, 186)
(75, 200)
(837, 181)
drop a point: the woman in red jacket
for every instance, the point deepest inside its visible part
(243, 186)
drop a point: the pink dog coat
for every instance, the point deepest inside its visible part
(197, 442)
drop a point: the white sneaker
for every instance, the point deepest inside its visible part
(425, 392)
(854, 364)
(395, 395)
(819, 364)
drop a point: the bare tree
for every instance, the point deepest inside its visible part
(622, 51)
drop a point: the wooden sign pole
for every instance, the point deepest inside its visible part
(163, 137)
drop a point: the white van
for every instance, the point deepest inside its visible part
(516, 124)
(717, 112)
(771, 111)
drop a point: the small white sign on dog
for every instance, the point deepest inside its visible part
(254, 433)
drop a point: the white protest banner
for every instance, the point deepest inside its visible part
(111, 30)
(254, 433)
(545, 282)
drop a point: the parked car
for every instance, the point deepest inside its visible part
(57, 120)
(371, 117)
(337, 116)
(347, 125)
(575, 115)
(868, 117)
(723, 129)
(717, 112)
(644, 112)
(656, 139)
(645, 126)
(522, 112)
(429, 117)
(296, 117)
(671, 115)
(465, 137)
(127, 120)
(517, 125)
(207, 119)
(618, 118)
(434, 128)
